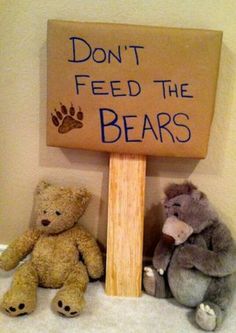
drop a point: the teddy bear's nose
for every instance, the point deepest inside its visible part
(45, 222)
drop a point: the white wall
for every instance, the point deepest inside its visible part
(24, 156)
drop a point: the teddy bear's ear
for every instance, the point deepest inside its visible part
(198, 195)
(42, 186)
(82, 195)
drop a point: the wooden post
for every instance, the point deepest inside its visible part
(125, 224)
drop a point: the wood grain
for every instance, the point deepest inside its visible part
(125, 224)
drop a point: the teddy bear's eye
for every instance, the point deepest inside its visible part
(177, 204)
(44, 211)
(58, 213)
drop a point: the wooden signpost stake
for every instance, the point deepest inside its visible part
(131, 91)
(125, 224)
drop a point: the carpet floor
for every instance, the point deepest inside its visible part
(108, 314)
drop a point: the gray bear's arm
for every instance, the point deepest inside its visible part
(218, 262)
(198, 240)
(162, 255)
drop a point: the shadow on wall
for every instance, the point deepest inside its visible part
(153, 223)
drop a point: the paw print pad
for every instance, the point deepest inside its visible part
(66, 120)
(65, 310)
(16, 312)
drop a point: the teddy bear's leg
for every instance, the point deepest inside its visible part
(69, 301)
(211, 312)
(155, 284)
(20, 299)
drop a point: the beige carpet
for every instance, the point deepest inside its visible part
(107, 314)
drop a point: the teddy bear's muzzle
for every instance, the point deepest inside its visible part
(45, 223)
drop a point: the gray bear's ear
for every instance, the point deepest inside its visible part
(42, 186)
(173, 190)
(198, 195)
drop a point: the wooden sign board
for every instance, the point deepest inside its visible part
(131, 89)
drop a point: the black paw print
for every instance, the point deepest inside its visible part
(17, 311)
(66, 310)
(67, 120)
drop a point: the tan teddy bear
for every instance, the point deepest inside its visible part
(55, 242)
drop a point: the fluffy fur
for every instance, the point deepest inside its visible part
(200, 271)
(55, 242)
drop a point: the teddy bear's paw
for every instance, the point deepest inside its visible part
(149, 281)
(68, 305)
(206, 317)
(17, 305)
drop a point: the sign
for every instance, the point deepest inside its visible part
(131, 89)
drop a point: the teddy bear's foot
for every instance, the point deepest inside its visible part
(20, 299)
(206, 317)
(68, 303)
(17, 304)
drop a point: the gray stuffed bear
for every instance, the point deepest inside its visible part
(199, 272)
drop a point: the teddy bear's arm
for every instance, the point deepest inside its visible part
(91, 253)
(18, 249)
(218, 262)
